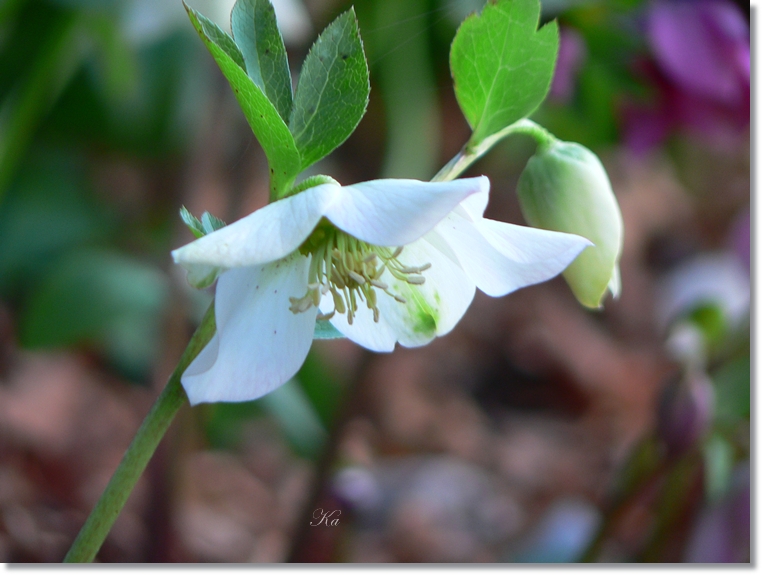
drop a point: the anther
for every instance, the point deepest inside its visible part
(338, 302)
(357, 277)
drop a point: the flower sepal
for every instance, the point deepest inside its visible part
(202, 276)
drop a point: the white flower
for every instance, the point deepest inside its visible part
(334, 252)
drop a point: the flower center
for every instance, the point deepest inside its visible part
(351, 271)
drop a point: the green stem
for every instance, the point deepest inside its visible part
(140, 451)
(472, 152)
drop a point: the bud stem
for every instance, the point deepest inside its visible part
(154, 426)
(473, 151)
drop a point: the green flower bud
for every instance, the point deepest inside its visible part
(565, 188)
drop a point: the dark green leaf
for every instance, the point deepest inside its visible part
(333, 90)
(256, 32)
(502, 65)
(268, 126)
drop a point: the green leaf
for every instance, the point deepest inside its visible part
(193, 223)
(206, 225)
(502, 65)
(269, 128)
(256, 33)
(214, 34)
(333, 90)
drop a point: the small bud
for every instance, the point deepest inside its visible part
(565, 188)
(685, 412)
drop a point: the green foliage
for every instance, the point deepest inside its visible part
(718, 466)
(56, 55)
(193, 223)
(321, 386)
(296, 416)
(211, 223)
(333, 90)
(711, 319)
(264, 119)
(206, 225)
(46, 213)
(98, 295)
(256, 33)
(288, 406)
(502, 65)
(733, 391)
(330, 99)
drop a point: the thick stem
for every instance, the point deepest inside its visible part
(102, 518)
(472, 152)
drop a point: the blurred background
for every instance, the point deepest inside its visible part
(536, 431)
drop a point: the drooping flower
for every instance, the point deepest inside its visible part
(385, 261)
(565, 187)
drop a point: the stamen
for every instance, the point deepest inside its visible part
(357, 277)
(351, 271)
(338, 302)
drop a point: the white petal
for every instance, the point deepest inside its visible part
(264, 236)
(502, 258)
(430, 310)
(397, 212)
(206, 357)
(363, 331)
(475, 205)
(260, 343)
(435, 307)
(615, 283)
